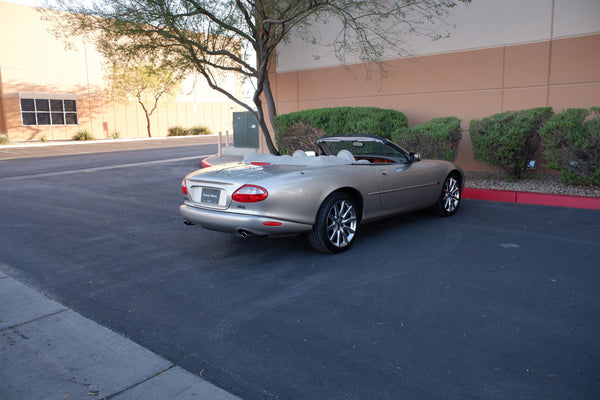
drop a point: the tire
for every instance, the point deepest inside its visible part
(449, 199)
(335, 225)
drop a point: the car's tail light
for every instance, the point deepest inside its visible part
(184, 186)
(249, 194)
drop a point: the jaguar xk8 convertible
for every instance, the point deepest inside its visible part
(354, 180)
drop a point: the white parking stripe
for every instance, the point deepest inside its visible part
(108, 167)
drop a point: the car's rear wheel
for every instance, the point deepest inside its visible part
(449, 199)
(335, 225)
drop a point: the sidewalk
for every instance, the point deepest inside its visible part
(48, 351)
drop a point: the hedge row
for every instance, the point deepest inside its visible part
(505, 140)
(335, 121)
(437, 138)
(572, 141)
(197, 130)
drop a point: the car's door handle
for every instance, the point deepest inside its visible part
(384, 173)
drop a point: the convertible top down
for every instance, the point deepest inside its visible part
(354, 180)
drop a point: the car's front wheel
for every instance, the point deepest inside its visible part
(335, 224)
(449, 199)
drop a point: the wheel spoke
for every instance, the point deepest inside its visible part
(451, 194)
(341, 223)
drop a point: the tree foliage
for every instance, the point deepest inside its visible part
(146, 84)
(213, 37)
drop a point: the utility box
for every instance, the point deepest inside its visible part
(245, 130)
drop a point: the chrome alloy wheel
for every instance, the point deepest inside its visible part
(341, 223)
(451, 195)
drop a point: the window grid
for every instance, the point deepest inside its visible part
(40, 111)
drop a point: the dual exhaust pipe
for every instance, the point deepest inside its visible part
(242, 233)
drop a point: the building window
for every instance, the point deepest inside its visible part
(39, 109)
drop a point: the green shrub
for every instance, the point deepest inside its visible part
(301, 136)
(176, 131)
(508, 140)
(197, 130)
(4, 138)
(200, 130)
(436, 139)
(340, 121)
(572, 141)
(83, 135)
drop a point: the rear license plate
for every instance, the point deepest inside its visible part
(210, 196)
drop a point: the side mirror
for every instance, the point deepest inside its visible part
(414, 157)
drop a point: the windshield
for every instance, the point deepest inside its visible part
(362, 147)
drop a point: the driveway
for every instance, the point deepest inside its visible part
(500, 301)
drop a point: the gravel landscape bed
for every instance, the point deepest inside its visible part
(550, 184)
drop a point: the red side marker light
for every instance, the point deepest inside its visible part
(260, 164)
(272, 223)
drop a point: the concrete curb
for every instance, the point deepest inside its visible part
(540, 199)
(48, 351)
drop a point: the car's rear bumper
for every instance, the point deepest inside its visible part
(240, 224)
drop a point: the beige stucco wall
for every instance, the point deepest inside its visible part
(475, 82)
(32, 60)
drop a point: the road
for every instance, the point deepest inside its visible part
(500, 301)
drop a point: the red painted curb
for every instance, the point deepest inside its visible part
(541, 199)
(206, 162)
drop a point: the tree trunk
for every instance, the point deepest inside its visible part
(148, 125)
(262, 123)
(263, 86)
(147, 117)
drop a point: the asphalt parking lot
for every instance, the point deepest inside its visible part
(500, 301)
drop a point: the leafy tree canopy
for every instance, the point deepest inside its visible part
(241, 36)
(146, 84)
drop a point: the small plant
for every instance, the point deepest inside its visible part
(83, 135)
(200, 130)
(176, 131)
(437, 139)
(508, 140)
(44, 139)
(572, 141)
(197, 130)
(116, 135)
(4, 138)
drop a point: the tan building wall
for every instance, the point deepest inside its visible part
(34, 63)
(473, 83)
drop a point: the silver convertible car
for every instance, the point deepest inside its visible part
(354, 180)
